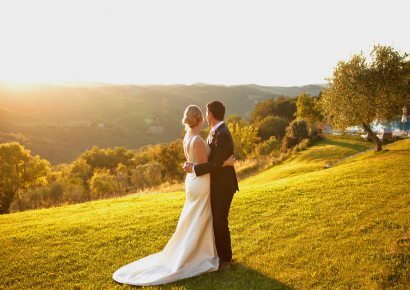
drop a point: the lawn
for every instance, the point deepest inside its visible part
(294, 226)
(319, 155)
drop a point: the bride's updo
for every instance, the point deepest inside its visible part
(192, 116)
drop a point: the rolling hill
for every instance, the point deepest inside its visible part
(59, 122)
(346, 227)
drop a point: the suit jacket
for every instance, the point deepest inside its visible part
(223, 179)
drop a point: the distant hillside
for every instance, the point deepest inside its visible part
(238, 100)
(312, 90)
(59, 122)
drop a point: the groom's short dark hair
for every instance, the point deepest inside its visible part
(217, 109)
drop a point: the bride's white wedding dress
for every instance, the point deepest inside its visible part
(191, 250)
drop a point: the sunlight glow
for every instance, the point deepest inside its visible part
(219, 42)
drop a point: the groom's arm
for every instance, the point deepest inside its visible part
(222, 151)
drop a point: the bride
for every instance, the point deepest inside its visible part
(191, 250)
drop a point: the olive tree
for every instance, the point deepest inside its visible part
(363, 89)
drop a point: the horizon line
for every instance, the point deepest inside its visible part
(61, 82)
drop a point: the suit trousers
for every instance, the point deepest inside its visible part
(220, 203)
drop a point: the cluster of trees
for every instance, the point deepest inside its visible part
(366, 89)
(97, 173)
(105, 173)
(360, 91)
(363, 90)
(287, 121)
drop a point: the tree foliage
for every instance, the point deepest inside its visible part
(102, 183)
(172, 159)
(299, 129)
(245, 139)
(283, 107)
(267, 147)
(308, 108)
(272, 126)
(236, 119)
(296, 132)
(147, 175)
(19, 170)
(363, 89)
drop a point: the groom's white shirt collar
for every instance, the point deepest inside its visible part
(216, 126)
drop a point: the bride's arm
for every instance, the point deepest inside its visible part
(229, 162)
(199, 150)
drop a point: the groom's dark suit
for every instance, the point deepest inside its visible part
(223, 186)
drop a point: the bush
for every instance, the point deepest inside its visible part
(148, 175)
(299, 129)
(301, 146)
(244, 140)
(296, 132)
(267, 147)
(75, 193)
(279, 158)
(56, 192)
(272, 126)
(313, 131)
(288, 142)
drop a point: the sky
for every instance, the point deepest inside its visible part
(271, 43)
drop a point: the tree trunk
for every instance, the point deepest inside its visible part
(119, 187)
(18, 199)
(169, 180)
(374, 137)
(88, 189)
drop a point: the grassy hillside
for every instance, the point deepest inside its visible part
(59, 123)
(319, 155)
(346, 227)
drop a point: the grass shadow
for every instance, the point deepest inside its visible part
(238, 277)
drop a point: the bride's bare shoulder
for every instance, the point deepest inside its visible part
(198, 141)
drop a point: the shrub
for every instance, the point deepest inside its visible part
(267, 147)
(301, 146)
(313, 131)
(148, 175)
(296, 132)
(56, 192)
(272, 126)
(279, 158)
(299, 129)
(244, 140)
(288, 142)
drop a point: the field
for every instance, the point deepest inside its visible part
(294, 226)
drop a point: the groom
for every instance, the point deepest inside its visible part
(224, 183)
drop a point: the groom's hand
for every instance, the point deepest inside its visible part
(188, 167)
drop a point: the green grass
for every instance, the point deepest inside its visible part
(346, 227)
(319, 155)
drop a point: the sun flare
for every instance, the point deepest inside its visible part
(159, 42)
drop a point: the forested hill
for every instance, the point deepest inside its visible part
(59, 122)
(312, 90)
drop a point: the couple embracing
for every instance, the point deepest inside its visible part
(201, 242)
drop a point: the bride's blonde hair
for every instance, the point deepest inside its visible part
(192, 116)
